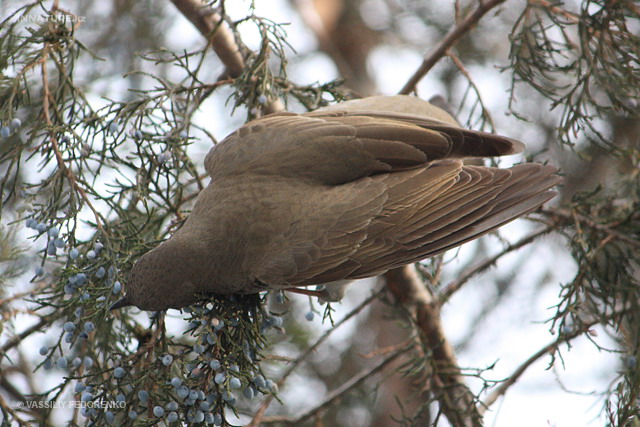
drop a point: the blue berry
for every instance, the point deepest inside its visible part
(39, 271)
(132, 415)
(198, 417)
(220, 378)
(235, 383)
(193, 395)
(5, 132)
(91, 254)
(172, 417)
(58, 243)
(211, 339)
(113, 127)
(119, 372)
(215, 364)
(79, 312)
(68, 338)
(88, 362)
(182, 392)
(74, 253)
(98, 247)
(89, 326)
(41, 227)
(163, 157)
(218, 325)
(47, 364)
(158, 411)
(259, 381)
(69, 327)
(167, 360)
(31, 223)
(273, 387)
(309, 316)
(208, 418)
(83, 335)
(81, 278)
(86, 396)
(143, 395)
(198, 348)
(176, 382)
(79, 387)
(51, 249)
(61, 363)
(631, 362)
(101, 272)
(262, 99)
(117, 288)
(76, 362)
(229, 398)
(249, 393)
(109, 417)
(234, 368)
(204, 406)
(172, 406)
(16, 123)
(121, 398)
(53, 232)
(217, 419)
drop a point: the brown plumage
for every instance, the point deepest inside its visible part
(341, 193)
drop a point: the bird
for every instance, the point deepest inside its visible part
(341, 193)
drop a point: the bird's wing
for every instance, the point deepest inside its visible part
(337, 147)
(393, 219)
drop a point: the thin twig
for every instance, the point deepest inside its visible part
(549, 348)
(339, 392)
(21, 336)
(447, 42)
(257, 418)
(455, 285)
(211, 24)
(54, 142)
(574, 217)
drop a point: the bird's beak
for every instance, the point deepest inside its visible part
(122, 302)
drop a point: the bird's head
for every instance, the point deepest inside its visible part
(160, 279)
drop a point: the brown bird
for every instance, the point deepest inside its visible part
(341, 193)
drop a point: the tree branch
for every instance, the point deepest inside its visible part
(210, 24)
(570, 217)
(339, 392)
(222, 40)
(447, 42)
(257, 418)
(549, 348)
(455, 285)
(457, 402)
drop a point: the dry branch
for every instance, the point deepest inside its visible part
(457, 402)
(447, 42)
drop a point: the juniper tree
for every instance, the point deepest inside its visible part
(102, 140)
